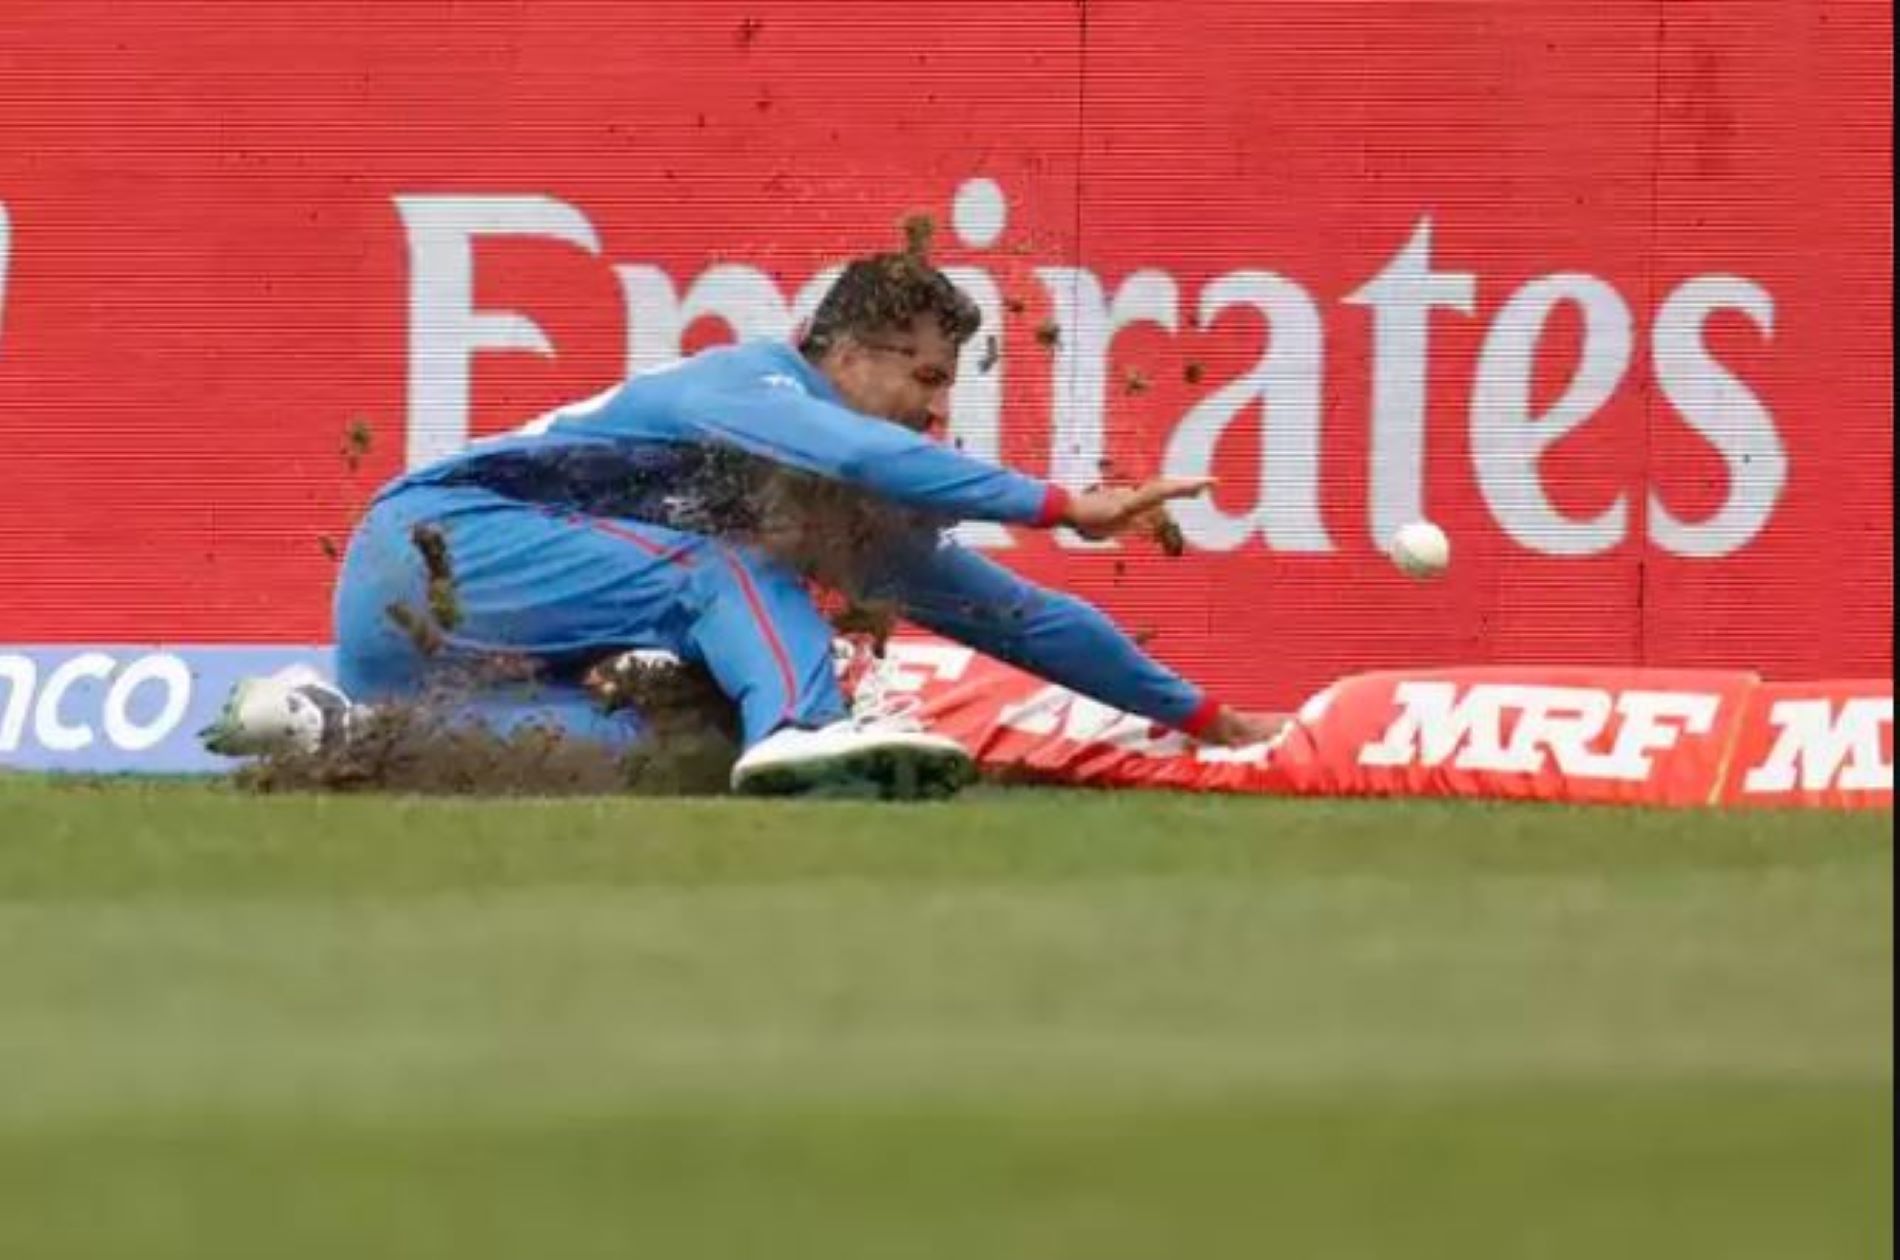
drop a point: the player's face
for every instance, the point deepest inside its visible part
(904, 376)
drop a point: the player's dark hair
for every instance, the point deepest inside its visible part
(886, 293)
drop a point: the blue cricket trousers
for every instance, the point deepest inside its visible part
(563, 590)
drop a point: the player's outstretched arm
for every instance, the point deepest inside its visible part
(812, 435)
(967, 597)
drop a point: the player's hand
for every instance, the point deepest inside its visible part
(1108, 511)
(1233, 729)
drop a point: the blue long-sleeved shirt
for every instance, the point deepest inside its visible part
(659, 446)
(680, 447)
(963, 595)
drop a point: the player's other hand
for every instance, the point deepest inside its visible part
(1233, 729)
(1107, 511)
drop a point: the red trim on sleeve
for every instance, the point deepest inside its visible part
(1055, 508)
(1202, 717)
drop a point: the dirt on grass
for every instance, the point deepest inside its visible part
(430, 747)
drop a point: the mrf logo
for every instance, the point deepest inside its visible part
(1509, 728)
(1823, 745)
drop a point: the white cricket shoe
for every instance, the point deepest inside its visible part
(881, 750)
(292, 710)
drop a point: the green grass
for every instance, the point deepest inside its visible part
(1031, 1025)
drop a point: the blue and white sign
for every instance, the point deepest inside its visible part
(125, 708)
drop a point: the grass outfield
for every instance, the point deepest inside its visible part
(1032, 1025)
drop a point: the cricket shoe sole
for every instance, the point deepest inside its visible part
(848, 760)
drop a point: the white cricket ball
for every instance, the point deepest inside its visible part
(1421, 549)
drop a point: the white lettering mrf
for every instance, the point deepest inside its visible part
(1514, 728)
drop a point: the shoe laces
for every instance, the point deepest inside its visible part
(877, 704)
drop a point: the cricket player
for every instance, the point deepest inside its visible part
(630, 521)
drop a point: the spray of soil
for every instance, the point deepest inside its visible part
(430, 747)
(689, 742)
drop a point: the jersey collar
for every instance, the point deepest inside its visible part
(816, 383)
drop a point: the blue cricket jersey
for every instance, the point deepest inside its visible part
(667, 445)
(684, 446)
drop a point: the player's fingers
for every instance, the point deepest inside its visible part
(1153, 494)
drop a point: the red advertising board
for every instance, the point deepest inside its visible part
(1603, 288)
(1827, 744)
(1653, 737)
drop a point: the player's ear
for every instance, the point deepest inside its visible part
(846, 350)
